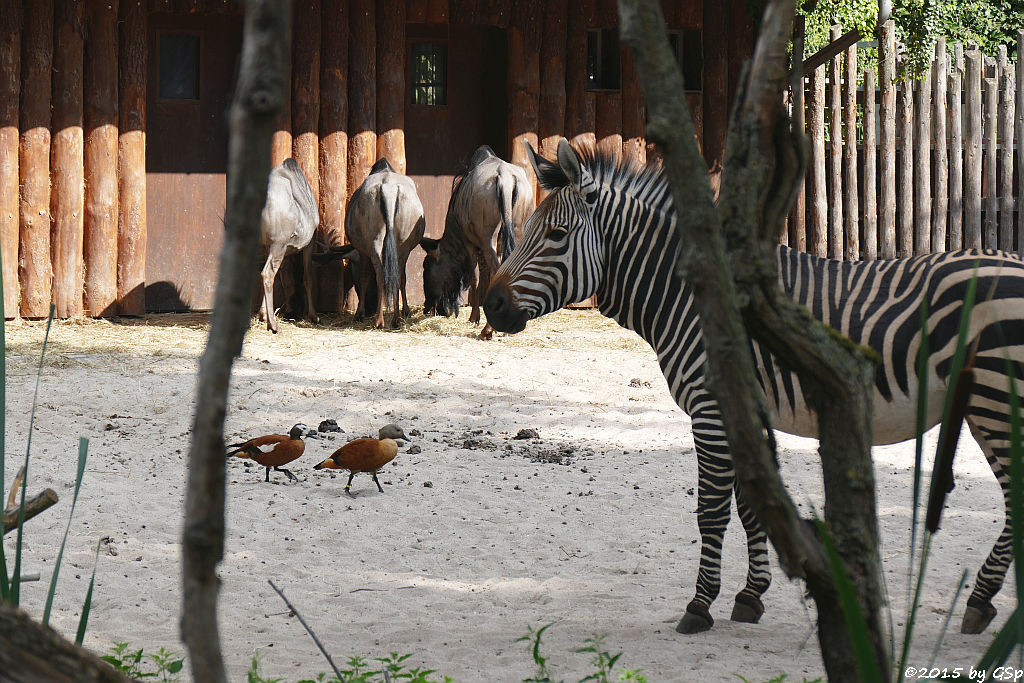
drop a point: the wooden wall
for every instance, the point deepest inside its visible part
(73, 119)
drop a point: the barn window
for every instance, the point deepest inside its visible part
(603, 62)
(429, 73)
(179, 66)
(690, 55)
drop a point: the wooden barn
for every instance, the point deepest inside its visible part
(113, 139)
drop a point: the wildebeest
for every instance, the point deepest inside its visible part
(384, 223)
(490, 200)
(289, 219)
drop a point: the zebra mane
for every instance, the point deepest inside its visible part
(614, 170)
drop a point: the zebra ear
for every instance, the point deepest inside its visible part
(548, 174)
(569, 162)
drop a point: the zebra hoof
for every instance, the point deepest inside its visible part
(696, 620)
(977, 617)
(747, 609)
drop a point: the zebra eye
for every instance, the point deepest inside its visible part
(557, 234)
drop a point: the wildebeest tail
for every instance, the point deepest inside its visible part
(506, 200)
(389, 256)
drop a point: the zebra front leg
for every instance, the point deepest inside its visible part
(748, 607)
(714, 496)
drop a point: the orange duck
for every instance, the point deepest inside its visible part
(366, 455)
(273, 450)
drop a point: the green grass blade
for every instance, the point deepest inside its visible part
(16, 578)
(922, 416)
(1002, 645)
(87, 605)
(83, 452)
(856, 627)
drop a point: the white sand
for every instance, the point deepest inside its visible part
(467, 547)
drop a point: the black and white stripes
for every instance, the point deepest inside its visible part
(609, 229)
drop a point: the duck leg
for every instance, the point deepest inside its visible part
(290, 475)
(349, 484)
(377, 483)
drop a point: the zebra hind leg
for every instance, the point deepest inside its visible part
(714, 497)
(980, 612)
(748, 607)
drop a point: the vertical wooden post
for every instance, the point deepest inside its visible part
(716, 33)
(887, 139)
(281, 141)
(798, 217)
(988, 178)
(362, 92)
(905, 212)
(551, 122)
(334, 121)
(1006, 112)
(306, 91)
(941, 201)
(1020, 141)
(10, 94)
(852, 208)
(608, 126)
(633, 113)
(956, 150)
(391, 83)
(524, 81)
(579, 102)
(870, 183)
(68, 162)
(131, 155)
(972, 150)
(923, 164)
(101, 123)
(835, 186)
(817, 223)
(34, 268)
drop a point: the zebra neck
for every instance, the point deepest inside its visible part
(640, 289)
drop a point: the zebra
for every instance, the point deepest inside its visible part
(608, 228)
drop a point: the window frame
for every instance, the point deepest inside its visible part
(597, 39)
(443, 43)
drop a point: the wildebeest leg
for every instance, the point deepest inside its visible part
(270, 268)
(365, 277)
(406, 312)
(307, 282)
(378, 267)
(478, 287)
(488, 266)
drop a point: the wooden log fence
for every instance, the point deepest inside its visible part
(906, 166)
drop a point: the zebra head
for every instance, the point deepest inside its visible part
(559, 259)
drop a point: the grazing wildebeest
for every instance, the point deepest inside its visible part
(289, 219)
(352, 273)
(384, 223)
(490, 200)
(608, 228)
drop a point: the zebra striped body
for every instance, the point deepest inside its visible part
(610, 229)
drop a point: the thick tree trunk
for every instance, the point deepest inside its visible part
(261, 89)
(763, 165)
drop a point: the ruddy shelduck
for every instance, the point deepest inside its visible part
(366, 455)
(274, 450)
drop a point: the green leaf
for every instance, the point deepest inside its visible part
(87, 605)
(83, 453)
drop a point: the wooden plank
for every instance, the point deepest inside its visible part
(922, 164)
(306, 91)
(716, 80)
(870, 212)
(905, 194)
(281, 140)
(835, 185)
(817, 207)
(941, 199)
(131, 156)
(1006, 112)
(579, 103)
(633, 113)
(609, 123)
(334, 122)
(551, 120)
(524, 35)
(416, 11)
(391, 83)
(798, 216)
(437, 11)
(101, 125)
(1020, 140)
(10, 95)
(956, 150)
(34, 268)
(851, 210)
(68, 162)
(362, 92)
(972, 150)
(887, 141)
(990, 236)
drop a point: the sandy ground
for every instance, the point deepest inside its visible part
(475, 538)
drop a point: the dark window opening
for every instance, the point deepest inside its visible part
(179, 66)
(686, 45)
(603, 59)
(429, 73)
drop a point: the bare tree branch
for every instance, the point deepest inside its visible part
(36, 504)
(259, 95)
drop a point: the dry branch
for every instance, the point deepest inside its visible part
(33, 506)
